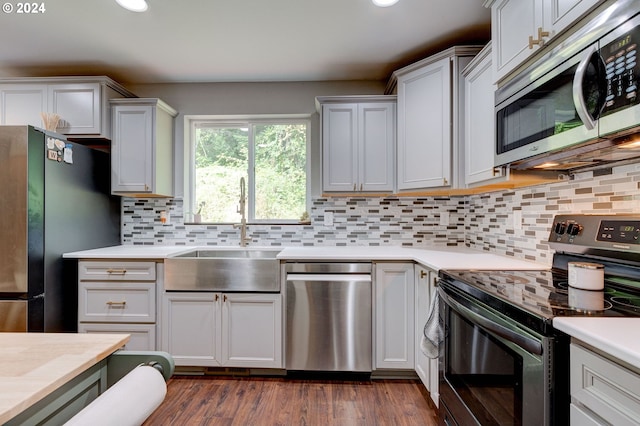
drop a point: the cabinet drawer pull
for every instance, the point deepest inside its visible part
(117, 271)
(117, 304)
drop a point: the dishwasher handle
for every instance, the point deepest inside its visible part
(329, 277)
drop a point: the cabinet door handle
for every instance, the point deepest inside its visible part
(354, 186)
(217, 297)
(423, 273)
(117, 304)
(224, 298)
(116, 271)
(538, 41)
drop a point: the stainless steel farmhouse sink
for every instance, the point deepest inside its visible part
(228, 270)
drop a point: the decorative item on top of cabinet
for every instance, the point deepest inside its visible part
(119, 297)
(142, 148)
(522, 28)
(358, 142)
(81, 102)
(430, 106)
(394, 316)
(223, 329)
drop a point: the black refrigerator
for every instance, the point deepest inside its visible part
(55, 197)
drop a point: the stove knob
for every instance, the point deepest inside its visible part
(560, 228)
(574, 229)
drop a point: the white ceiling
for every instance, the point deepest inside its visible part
(234, 40)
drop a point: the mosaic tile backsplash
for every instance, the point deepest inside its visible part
(512, 223)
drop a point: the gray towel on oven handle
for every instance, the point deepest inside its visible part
(432, 333)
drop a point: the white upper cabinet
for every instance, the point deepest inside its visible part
(519, 28)
(429, 119)
(78, 105)
(22, 104)
(358, 143)
(142, 147)
(82, 103)
(479, 121)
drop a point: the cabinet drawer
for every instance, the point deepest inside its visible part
(117, 271)
(604, 387)
(116, 302)
(143, 336)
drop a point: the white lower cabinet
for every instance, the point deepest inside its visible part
(223, 329)
(394, 314)
(426, 368)
(143, 336)
(119, 297)
(602, 391)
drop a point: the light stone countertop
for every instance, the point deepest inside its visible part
(32, 365)
(435, 257)
(618, 337)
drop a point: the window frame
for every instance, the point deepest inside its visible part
(240, 121)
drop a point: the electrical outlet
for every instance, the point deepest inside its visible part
(517, 220)
(444, 218)
(328, 218)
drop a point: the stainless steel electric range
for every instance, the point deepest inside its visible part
(501, 361)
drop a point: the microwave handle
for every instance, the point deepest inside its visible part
(578, 94)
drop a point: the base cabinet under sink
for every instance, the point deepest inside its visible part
(204, 329)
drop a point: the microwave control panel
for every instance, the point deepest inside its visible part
(621, 67)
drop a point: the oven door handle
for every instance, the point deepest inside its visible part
(527, 343)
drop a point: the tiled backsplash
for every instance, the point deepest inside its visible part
(513, 223)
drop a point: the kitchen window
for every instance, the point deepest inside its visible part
(270, 154)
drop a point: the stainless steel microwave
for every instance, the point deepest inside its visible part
(579, 105)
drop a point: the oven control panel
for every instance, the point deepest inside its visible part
(619, 231)
(579, 233)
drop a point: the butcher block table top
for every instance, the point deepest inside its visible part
(32, 365)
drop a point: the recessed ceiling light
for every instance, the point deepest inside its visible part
(384, 3)
(133, 5)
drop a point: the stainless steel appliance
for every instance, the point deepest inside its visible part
(328, 317)
(577, 106)
(502, 362)
(55, 198)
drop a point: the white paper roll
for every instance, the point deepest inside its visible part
(129, 402)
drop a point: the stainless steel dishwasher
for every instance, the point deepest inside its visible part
(328, 316)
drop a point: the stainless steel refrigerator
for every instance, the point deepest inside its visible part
(54, 198)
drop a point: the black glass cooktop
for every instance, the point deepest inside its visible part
(546, 294)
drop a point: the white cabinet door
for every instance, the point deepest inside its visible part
(78, 105)
(358, 143)
(427, 368)
(424, 127)
(190, 328)
(515, 22)
(376, 146)
(423, 302)
(563, 13)
(252, 330)
(479, 129)
(21, 104)
(394, 316)
(340, 147)
(512, 22)
(142, 147)
(132, 149)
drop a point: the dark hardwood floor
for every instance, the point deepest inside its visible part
(258, 401)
